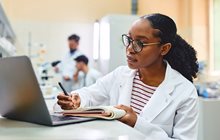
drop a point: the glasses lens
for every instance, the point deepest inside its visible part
(137, 46)
(126, 40)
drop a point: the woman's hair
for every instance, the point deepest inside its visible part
(182, 56)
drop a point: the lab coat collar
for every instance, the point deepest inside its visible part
(161, 98)
(126, 87)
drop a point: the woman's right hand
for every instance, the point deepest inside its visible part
(68, 102)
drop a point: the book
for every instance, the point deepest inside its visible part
(103, 112)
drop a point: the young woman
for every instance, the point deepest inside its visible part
(156, 88)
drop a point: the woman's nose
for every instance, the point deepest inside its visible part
(130, 49)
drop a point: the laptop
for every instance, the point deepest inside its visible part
(21, 97)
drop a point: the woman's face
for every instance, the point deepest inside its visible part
(141, 30)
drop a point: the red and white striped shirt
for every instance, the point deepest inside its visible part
(141, 94)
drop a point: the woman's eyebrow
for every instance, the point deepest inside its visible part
(139, 36)
(142, 37)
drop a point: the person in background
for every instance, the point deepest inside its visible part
(89, 76)
(67, 65)
(156, 89)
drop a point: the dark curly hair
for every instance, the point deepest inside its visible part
(182, 56)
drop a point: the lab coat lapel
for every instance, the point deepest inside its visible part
(158, 102)
(162, 97)
(126, 87)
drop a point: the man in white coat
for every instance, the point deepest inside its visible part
(67, 65)
(89, 75)
(155, 89)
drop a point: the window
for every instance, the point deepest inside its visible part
(215, 35)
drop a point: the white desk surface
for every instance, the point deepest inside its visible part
(93, 130)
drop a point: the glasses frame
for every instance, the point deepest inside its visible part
(131, 41)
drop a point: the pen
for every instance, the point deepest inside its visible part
(63, 89)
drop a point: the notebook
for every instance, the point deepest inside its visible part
(103, 112)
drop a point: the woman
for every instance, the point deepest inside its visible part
(156, 89)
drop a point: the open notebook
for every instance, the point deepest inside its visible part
(104, 112)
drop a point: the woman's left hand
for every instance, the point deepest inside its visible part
(130, 117)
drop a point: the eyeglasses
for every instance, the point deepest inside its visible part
(137, 45)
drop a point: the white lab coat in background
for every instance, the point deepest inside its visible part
(85, 80)
(67, 67)
(171, 113)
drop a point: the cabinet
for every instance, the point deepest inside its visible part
(112, 51)
(209, 121)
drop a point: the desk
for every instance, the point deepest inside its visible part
(93, 130)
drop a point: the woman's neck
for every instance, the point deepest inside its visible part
(153, 75)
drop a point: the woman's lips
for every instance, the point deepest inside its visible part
(131, 59)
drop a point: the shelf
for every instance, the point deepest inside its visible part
(6, 33)
(6, 29)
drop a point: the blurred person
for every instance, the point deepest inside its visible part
(90, 75)
(156, 88)
(67, 65)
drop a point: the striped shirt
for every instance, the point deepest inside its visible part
(141, 94)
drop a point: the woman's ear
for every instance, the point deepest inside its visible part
(165, 48)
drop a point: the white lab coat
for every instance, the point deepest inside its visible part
(85, 80)
(171, 113)
(67, 67)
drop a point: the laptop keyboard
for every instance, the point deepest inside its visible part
(63, 118)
